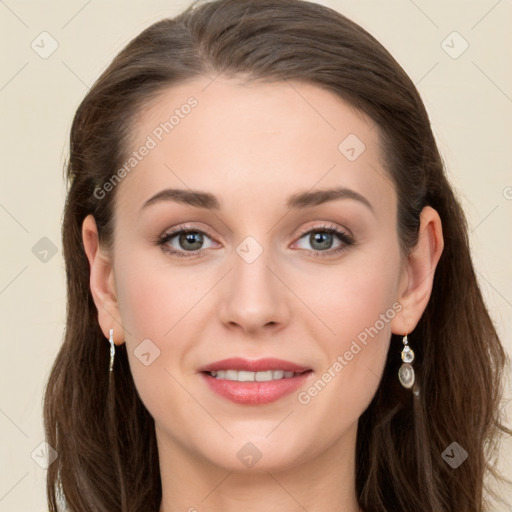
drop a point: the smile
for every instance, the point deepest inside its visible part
(254, 382)
(247, 376)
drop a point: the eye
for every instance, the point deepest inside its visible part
(326, 240)
(182, 241)
(186, 242)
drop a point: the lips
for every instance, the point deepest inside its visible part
(259, 365)
(254, 382)
(247, 376)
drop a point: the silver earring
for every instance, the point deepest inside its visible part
(112, 349)
(406, 372)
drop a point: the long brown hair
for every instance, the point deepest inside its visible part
(107, 454)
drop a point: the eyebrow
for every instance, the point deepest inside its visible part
(300, 200)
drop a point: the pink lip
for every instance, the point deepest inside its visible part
(255, 393)
(259, 365)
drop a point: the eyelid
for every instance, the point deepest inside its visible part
(169, 234)
(326, 226)
(176, 230)
(343, 235)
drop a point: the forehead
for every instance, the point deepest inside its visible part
(241, 140)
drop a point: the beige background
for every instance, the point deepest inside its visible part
(469, 99)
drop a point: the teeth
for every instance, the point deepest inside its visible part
(263, 376)
(231, 375)
(246, 376)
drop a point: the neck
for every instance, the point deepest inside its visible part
(323, 483)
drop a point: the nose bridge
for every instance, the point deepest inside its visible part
(253, 297)
(251, 276)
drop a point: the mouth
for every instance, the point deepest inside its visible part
(254, 382)
(247, 376)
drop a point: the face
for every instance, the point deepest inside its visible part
(267, 269)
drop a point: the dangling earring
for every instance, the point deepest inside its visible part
(112, 349)
(406, 372)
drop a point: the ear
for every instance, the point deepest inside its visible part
(102, 282)
(416, 285)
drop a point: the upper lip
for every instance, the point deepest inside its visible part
(257, 365)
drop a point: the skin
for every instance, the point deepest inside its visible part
(254, 145)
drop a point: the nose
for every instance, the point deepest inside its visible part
(255, 298)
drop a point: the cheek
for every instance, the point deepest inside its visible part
(148, 313)
(356, 302)
(154, 297)
(160, 308)
(355, 295)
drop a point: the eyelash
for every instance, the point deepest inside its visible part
(346, 240)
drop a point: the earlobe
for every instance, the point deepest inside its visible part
(101, 281)
(421, 266)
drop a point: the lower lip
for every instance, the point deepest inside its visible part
(255, 393)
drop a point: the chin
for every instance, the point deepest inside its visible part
(257, 454)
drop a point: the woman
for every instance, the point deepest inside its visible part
(322, 343)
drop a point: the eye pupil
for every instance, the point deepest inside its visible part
(324, 239)
(191, 237)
